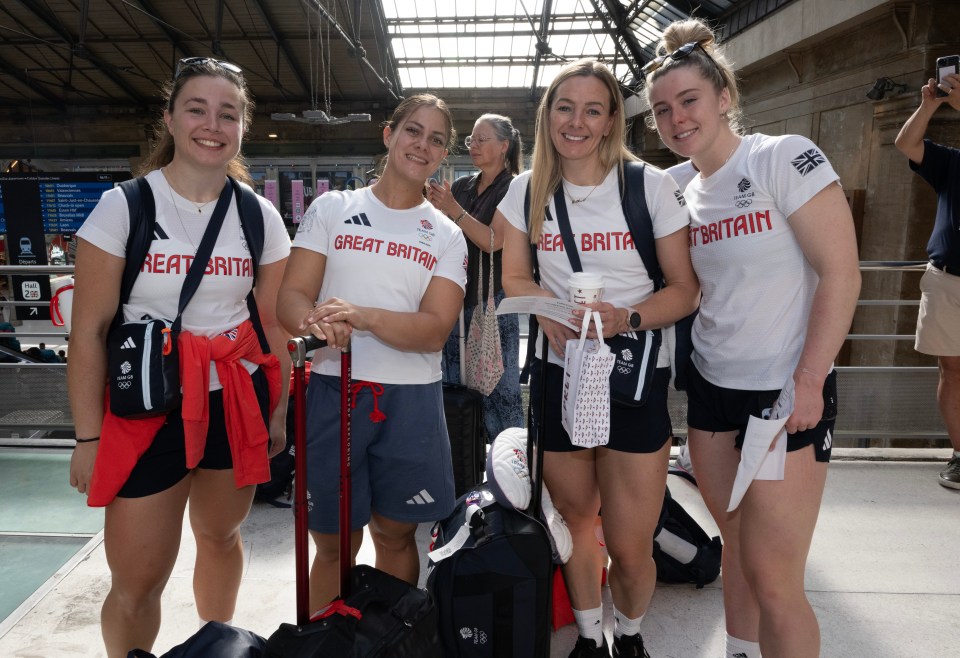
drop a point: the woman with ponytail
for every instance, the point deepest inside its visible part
(497, 151)
(773, 244)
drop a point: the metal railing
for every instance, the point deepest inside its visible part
(876, 403)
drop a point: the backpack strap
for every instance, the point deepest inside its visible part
(634, 199)
(251, 223)
(143, 220)
(533, 327)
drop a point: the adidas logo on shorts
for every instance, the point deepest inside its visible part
(422, 498)
(128, 344)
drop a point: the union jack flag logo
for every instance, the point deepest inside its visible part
(232, 334)
(425, 224)
(680, 199)
(808, 161)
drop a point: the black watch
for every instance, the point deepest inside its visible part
(633, 320)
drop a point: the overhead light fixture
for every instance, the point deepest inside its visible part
(319, 118)
(882, 86)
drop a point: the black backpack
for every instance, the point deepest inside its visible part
(687, 535)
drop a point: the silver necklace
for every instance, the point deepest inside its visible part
(582, 199)
(176, 209)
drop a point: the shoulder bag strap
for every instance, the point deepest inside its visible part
(204, 251)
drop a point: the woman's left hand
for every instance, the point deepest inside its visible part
(278, 431)
(610, 317)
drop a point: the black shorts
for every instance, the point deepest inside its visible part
(632, 429)
(712, 408)
(165, 461)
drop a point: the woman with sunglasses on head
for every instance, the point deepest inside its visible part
(383, 269)
(497, 150)
(773, 244)
(145, 471)
(579, 152)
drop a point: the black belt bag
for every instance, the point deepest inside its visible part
(143, 368)
(632, 375)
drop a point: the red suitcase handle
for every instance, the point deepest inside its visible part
(298, 348)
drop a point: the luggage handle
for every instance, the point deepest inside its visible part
(298, 348)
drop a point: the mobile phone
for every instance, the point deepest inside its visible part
(946, 66)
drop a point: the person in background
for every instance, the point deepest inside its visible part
(938, 326)
(497, 150)
(146, 489)
(579, 149)
(773, 244)
(381, 269)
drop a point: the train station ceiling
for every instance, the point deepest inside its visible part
(325, 58)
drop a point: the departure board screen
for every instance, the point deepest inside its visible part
(65, 199)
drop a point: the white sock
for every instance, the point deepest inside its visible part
(624, 626)
(590, 624)
(737, 648)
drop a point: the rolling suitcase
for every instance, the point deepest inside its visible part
(491, 572)
(375, 614)
(463, 409)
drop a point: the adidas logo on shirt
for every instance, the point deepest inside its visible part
(360, 219)
(422, 498)
(159, 233)
(128, 344)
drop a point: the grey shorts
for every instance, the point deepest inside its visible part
(939, 319)
(400, 466)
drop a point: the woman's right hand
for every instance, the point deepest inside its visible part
(81, 466)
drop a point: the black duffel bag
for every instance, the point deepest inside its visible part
(383, 617)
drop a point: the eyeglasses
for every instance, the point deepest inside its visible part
(188, 62)
(678, 54)
(469, 140)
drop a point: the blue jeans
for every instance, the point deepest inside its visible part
(503, 408)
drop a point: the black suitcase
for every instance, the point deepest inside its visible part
(491, 572)
(376, 614)
(463, 409)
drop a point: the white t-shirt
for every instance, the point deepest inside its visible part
(757, 285)
(384, 258)
(602, 236)
(219, 304)
(683, 173)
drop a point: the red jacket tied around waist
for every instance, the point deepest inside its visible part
(123, 441)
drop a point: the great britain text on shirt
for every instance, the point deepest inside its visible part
(731, 227)
(387, 247)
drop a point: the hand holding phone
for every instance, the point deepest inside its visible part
(946, 66)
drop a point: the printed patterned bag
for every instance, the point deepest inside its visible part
(586, 387)
(484, 358)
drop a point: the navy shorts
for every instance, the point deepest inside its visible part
(400, 466)
(165, 461)
(712, 408)
(632, 429)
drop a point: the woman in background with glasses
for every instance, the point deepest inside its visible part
(145, 471)
(496, 149)
(773, 244)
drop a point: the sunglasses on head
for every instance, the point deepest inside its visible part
(188, 62)
(678, 54)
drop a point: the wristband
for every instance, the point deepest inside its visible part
(459, 218)
(90, 440)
